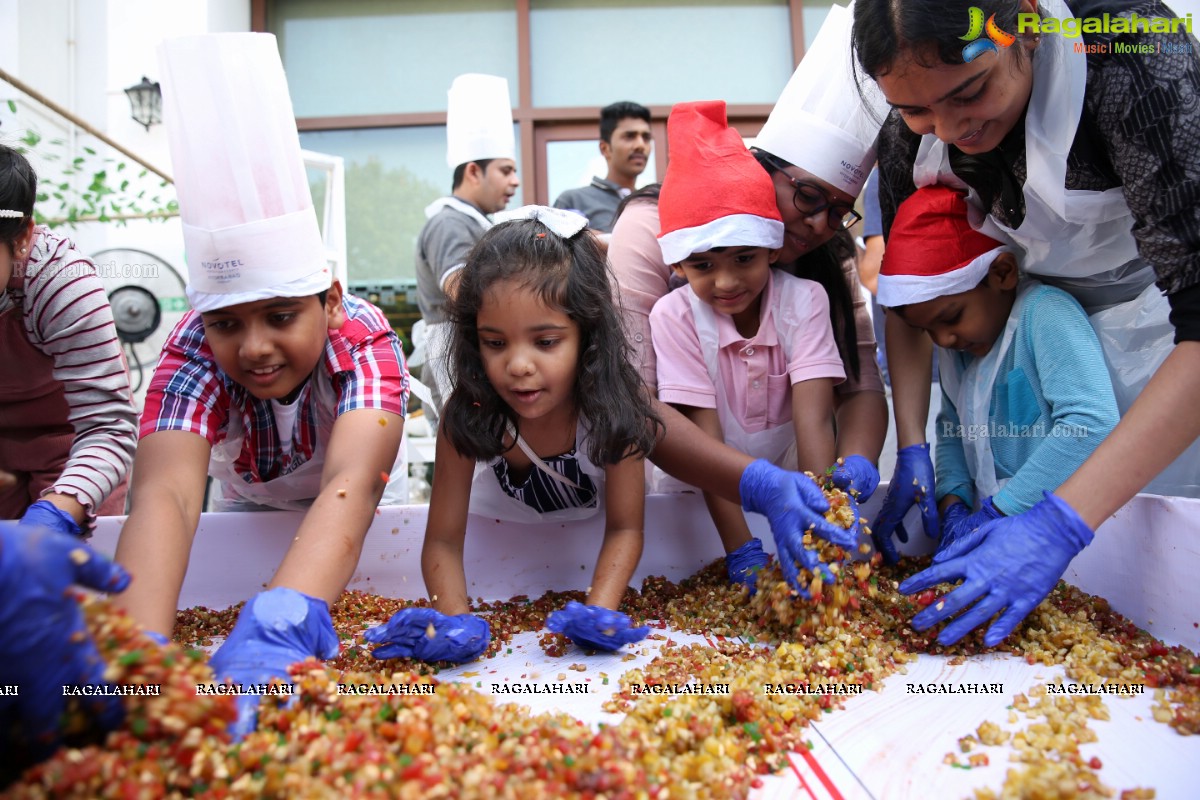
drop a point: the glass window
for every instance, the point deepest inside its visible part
(586, 52)
(391, 175)
(383, 57)
(813, 16)
(574, 162)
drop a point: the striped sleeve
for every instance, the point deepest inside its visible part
(67, 316)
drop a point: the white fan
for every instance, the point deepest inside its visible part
(147, 298)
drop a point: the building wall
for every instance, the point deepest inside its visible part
(82, 54)
(379, 99)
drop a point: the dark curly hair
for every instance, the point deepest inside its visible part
(18, 189)
(572, 275)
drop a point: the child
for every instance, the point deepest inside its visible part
(67, 422)
(548, 421)
(1026, 396)
(746, 352)
(288, 391)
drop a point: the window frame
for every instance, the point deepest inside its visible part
(539, 126)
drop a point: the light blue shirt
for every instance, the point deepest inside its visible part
(1051, 405)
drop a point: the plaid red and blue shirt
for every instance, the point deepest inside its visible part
(189, 392)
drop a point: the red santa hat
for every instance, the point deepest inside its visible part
(714, 194)
(933, 251)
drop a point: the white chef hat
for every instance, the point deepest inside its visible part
(478, 120)
(822, 123)
(249, 227)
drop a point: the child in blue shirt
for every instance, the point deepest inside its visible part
(1026, 395)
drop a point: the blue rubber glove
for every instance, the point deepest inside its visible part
(461, 638)
(44, 643)
(792, 503)
(157, 638)
(742, 565)
(276, 629)
(912, 484)
(960, 525)
(47, 515)
(594, 628)
(1014, 563)
(856, 476)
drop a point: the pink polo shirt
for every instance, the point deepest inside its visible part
(756, 376)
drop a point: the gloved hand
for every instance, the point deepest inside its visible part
(912, 484)
(856, 476)
(792, 503)
(594, 628)
(743, 564)
(958, 523)
(461, 638)
(44, 643)
(1014, 564)
(47, 515)
(276, 629)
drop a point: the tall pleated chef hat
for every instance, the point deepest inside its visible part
(714, 193)
(933, 251)
(821, 122)
(249, 227)
(478, 120)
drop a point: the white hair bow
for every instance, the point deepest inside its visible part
(565, 223)
(7, 214)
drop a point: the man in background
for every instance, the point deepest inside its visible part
(480, 148)
(625, 143)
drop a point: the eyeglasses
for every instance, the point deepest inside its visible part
(811, 199)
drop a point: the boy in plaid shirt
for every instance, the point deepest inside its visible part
(278, 385)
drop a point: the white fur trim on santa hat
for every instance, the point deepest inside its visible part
(735, 230)
(904, 290)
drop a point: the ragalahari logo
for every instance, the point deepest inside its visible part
(996, 37)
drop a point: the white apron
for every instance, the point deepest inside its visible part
(438, 334)
(296, 490)
(791, 306)
(1080, 241)
(488, 498)
(972, 396)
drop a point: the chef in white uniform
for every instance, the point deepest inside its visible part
(480, 148)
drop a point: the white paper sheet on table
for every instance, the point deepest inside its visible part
(882, 745)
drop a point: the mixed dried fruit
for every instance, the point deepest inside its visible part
(456, 742)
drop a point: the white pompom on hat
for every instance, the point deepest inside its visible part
(933, 251)
(822, 122)
(249, 227)
(714, 193)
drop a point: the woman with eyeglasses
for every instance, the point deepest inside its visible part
(818, 148)
(1084, 153)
